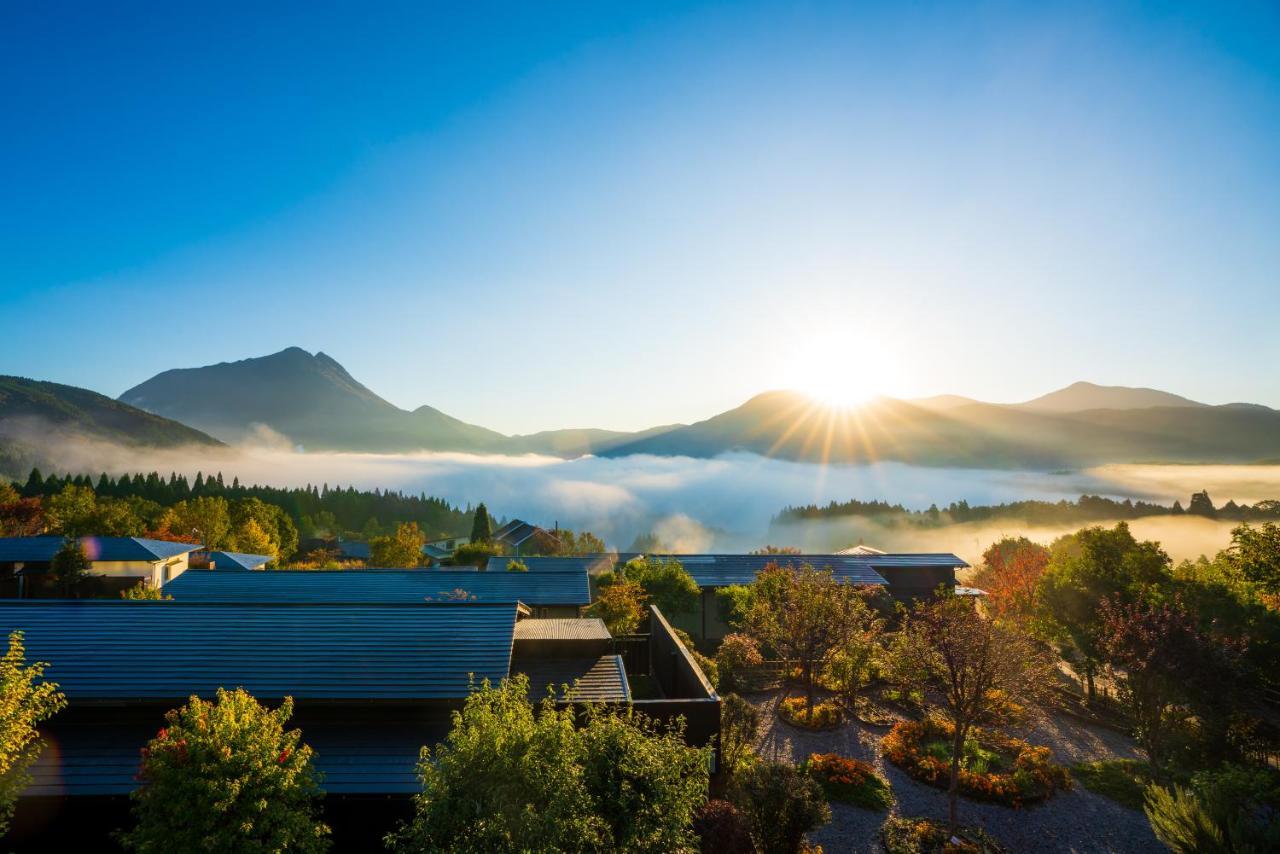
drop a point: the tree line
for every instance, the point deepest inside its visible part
(1085, 509)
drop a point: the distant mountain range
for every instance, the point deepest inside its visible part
(313, 402)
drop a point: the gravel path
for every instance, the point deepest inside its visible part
(1074, 822)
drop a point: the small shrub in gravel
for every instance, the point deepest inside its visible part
(849, 781)
(781, 806)
(825, 715)
(738, 653)
(925, 836)
(723, 829)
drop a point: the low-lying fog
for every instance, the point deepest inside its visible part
(722, 503)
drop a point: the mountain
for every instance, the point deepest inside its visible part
(39, 421)
(791, 426)
(1080, 396)
(310, 399)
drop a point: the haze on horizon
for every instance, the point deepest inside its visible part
(621, 218)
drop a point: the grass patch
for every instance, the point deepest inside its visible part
(1121, 780)
(849, 781)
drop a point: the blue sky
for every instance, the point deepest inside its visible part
(536, 216)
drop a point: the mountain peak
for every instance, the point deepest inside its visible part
(1081, 395)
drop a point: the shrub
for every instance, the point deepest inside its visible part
(737, 653)
(723, 829)
(925, 836)
(226, 776)
(26, 701)
(849, 780)
(781, 806)
(1122, 780)
(517, 566)
(795, 711)
(621, 606)
(996, 767)
(144, 590)
(739, 724)
(1227, 811)
(474, 554)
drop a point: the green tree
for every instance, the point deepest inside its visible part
(1085, 568)
(975, 667)
(806, 615)
(666, 583)
(69, 567)
(72, 511)
(1255, 555)
(403, 550)
(508, 779)
(482, 525)
(251, 538)
(207, 518)
(621, 605)
(26, 700)
(474, 554)
(226, 776)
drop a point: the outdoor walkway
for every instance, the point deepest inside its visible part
(1074, 822)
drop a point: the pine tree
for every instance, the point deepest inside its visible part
(35, 484)
(482, 527)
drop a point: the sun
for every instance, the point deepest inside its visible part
(838, 389)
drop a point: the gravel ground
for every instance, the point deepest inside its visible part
(1074, 822)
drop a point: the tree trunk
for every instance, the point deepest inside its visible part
(953, 790)
(808, 687)
(1091, 691)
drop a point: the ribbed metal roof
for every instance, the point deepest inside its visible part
(127, 650)
(721, 570)
(42, 549)
(238, 560)
(589, 679)
(355, 759)
(587, 564)
(384, 585)
(568, 628)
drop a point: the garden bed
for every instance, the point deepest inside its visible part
(825, 714)
(995, 767)
(849, 781)
(925, 836)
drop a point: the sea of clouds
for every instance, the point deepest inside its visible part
(726, 502)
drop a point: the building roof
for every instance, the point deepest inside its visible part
(382, 585)
(137, 650)
(722, 570)
(859, 550)
(355, 759)
(238, 560)
(353, 549)
(585, 563)
(568, 628)
(42, 549)
(515, 533)
(589, 679)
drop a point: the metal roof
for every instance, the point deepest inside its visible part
(722, 570)
(42, 549)
(516, 534)
(383, 585)
(568, 628)
(355, 759)
(239, 560)
(169, 650)
(585, 563)
(859, 550)
(589, 679)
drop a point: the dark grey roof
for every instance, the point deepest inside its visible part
(586, 563)
(590, 679)
(353, 550)
(42, 549)
(516, 534)
(722, 570)
(355, 759)
(126, 650)
(238, 560)
(382, 585)
(567, 628)
(508, 528)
